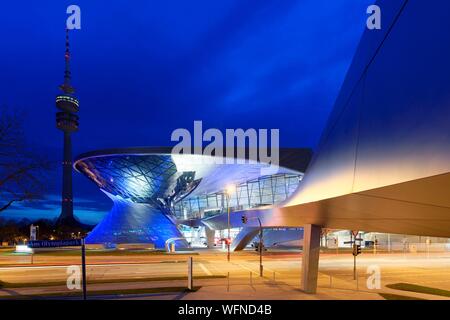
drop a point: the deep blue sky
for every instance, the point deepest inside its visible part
(145, 68)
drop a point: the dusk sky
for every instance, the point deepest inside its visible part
(142, 69)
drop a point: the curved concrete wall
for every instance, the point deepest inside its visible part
(383, 163)
(391, 121)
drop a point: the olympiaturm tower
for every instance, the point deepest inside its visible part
(67, 122)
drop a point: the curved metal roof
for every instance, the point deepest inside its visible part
(153, 174)
(292, 158)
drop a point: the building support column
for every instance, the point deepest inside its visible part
(210, 233)
(310, 261)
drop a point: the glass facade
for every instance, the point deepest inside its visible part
(151, 179)
(266, 190)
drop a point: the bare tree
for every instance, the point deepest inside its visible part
(22, 170)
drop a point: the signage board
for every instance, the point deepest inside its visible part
(55, 243)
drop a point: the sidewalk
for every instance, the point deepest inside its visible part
(279, 291)
(213, 289)
(217, 289)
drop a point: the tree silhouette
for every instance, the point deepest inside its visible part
(22, 170)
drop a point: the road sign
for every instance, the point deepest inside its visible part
(55, 243)
(65, 243)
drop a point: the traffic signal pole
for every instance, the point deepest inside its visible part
(261, 271)
(260, 246)
(356, 250)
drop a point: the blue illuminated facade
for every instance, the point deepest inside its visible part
(137, 223)
(154, 191)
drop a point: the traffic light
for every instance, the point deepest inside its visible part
(244, 219)
(356, 249)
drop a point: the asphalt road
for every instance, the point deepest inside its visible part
(281, 267)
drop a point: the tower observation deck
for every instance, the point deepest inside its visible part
(67, 122)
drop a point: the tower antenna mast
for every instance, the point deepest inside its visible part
(67, 121)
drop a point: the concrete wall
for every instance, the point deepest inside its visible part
(391, 121)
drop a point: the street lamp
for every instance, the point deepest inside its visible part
(260, 246)
(228, 191)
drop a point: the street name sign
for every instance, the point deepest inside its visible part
(55, 243)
